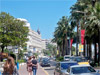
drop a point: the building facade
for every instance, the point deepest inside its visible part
(34, 44)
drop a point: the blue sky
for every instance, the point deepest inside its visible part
(42, 14)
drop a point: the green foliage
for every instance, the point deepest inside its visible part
(21, 61)
(6, 51)
(35, 54)
(21, 54)
(12, 31)
(73, 50)
(63, 31)
(52, 50)
(46, 52)
(60, 58)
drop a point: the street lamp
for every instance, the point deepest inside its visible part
(79, 31)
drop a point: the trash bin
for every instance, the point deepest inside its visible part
(17, 65)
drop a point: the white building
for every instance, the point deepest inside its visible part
(34, 44)
(46, 42)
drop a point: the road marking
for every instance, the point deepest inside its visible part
(45, 71)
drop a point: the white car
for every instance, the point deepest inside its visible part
(67, 57)
(81, 70)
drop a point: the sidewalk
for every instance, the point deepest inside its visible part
(23, 71)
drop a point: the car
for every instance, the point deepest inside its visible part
(67, 57)
(80, 60)
(91, 61)
(61, 67)
(45, 62)
(81, 70)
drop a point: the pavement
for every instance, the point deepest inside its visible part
(23, 70)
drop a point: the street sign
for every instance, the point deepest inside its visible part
(16, 50)
(57, 52)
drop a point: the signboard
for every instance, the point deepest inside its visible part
(16, 50)
(80, 48)
(57, 52)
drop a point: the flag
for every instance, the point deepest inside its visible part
(71, 41)
(82, 36)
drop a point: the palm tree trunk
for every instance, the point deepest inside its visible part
(77, 38)
(2, 47)
(66, 45)
(99, 48)
(87, 49)
(84, 48)
(90, 50)
(63, 48)
(95, 57)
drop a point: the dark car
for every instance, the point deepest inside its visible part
(91, 61)
(61, 67)
(80, 60)
(45, 62)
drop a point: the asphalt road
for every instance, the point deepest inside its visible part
(50, 69)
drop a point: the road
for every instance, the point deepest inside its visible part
(50, 69)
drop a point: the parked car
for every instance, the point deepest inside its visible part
(67, 57)
(45, 62)
(61, 67)
(91, 61)
(81, 70)
(80, 60)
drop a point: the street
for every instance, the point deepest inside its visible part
(50, 69)
(23, 70)
(41, 70)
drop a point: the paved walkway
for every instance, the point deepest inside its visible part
(23, 71)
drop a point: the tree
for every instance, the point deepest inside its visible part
(63, 31)
(60, 35)
(93, 25)
(52, 49)
(12, 31)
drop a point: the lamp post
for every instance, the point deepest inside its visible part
(79, 31)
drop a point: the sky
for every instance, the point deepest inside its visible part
(42, 14)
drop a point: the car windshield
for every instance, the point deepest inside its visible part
(78, 70)
(80, 59)
(67, 57)
(67, 65)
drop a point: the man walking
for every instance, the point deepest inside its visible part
(35, 65)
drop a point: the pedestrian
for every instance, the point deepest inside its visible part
(9, 67)
(29, 65)
(35, 65)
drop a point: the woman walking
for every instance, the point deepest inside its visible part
(9, 67)
(29, 66)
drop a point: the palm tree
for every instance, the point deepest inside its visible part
(60, 35)
(93, 25)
